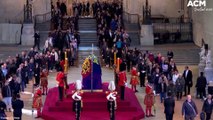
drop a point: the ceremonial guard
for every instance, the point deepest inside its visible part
(149, 100)
(111, 97)
(122, 81)
(77, 99)
(37, 102)
(44, 81)
(60, 82)
(134, 78)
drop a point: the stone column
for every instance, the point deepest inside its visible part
(27, 37)
(146, 37)
(209, 69)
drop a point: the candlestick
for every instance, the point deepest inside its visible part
(114, 58)
(118, 64)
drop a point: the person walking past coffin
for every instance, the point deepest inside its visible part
(169, 105)
(7, 95)
(187, 75)
(189, 109)
(201, 86)
(37, 74)
(142, 70)
(171, 88)
(17, 106)
(163, 89)
(208, 107)
(179, 84)
(37, 40)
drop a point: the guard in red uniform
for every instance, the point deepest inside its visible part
(149, 100)
(122, 80)
(60, 82)
(37, 102)
(134, 78)
(44, 81)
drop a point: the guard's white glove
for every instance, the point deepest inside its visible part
(125, 84)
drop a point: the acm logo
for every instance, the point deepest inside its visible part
(196, 3)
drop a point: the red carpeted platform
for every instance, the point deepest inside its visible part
(94, 106)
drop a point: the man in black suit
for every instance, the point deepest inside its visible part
(187, 75)
(169, 105)
(142, 69)
(17, 106)
(37, 40)
(201, 86)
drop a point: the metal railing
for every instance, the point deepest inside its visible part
(168, 32)
(131, 18)
(163, 19)
(41, 18)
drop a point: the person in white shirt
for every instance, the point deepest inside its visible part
(175, 76)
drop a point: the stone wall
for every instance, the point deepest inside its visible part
(10, 33)
(202, 26)
(11, 11)
(167, 8)
(41, 6)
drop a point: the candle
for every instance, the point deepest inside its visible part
(114, 58)
(118, 64)
(65, 54)
(66, 63)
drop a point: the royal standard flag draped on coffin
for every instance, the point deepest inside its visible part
(91, 73)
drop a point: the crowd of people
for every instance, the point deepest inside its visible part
(33, 65)
(162, 75)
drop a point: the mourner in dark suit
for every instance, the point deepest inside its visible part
(169, 105)
(17, 106)
(208, 107)
(201, 86)
(187, 75)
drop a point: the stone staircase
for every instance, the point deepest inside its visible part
(88, 36)
(43, 29)
(184, 53)
(84, 52)
(88, 32)
(133, 29)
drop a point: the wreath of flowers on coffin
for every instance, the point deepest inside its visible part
(86, 66)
